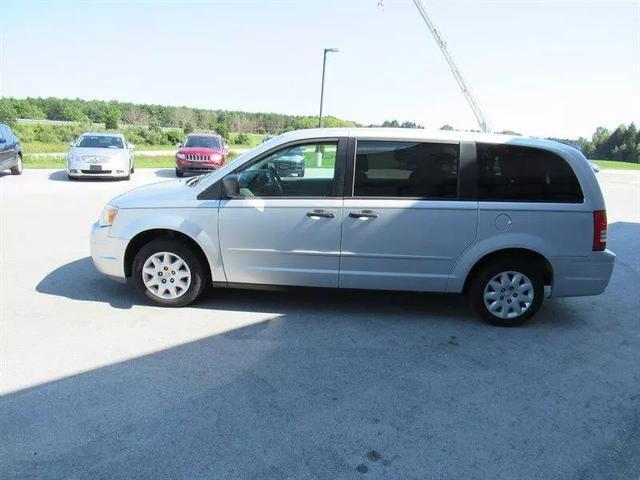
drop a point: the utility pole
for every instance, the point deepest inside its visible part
(319, 151)
(324, 66)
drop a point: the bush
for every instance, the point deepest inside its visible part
(242, 139)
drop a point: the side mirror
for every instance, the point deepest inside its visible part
(231, 186)
(179, 145)
(71, 144)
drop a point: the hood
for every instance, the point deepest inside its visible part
(170, 194)
(98, 152)
(199, 150)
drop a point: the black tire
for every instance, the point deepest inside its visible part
(133, 169)
(179, 173)
(17, 170)
(193, 261)
(486, 273)
(301, 174)
(128, 177)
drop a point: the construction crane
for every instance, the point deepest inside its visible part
(466, 91)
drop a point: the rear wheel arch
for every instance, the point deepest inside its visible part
(506, 253)
(142, 238)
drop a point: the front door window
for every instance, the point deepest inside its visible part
(307, 170)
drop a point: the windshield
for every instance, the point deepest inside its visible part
(100, 141)
(202, 142)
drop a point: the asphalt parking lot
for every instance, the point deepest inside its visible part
(300, 384)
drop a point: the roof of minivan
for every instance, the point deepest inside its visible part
(422, 134)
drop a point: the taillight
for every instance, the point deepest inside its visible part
(599, 230)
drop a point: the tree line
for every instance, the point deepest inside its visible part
(113, 113)
(162, 124)
(621, 144)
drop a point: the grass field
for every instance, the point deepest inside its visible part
(164, 161)
(611, 165)
(38, 147)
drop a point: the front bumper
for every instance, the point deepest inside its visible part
(111, 169)
(581, 276)
(187, 166)
(108, 253)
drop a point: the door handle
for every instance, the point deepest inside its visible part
(321, 214)
(363, 214)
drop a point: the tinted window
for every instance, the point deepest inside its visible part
(4, 132)
(100, 141)
(406, 169)
(307, 170)
(202, 142)
(522, 174)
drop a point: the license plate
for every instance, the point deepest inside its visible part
(95, 168)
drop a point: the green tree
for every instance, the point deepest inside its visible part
(112, 119)
(222, 129)
(8, 112)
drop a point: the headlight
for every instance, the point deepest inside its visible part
(72, 157)
(108, 216)
(181, 156)
(216, 157)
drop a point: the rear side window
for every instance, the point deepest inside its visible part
(406, 169)
(521, 174)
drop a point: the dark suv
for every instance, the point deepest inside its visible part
(10, 153)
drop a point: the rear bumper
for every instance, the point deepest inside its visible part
(581, 276)
(108, 253)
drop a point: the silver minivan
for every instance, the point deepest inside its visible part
(505, 220)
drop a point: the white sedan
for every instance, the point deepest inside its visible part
(100, 155)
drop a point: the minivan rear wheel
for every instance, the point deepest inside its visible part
(168, 273)
(506, 292)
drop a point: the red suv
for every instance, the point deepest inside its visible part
(200, 153)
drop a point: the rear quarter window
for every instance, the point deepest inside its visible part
(512, 173)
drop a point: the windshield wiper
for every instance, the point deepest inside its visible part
(192, 182)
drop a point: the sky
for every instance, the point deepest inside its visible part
(543, 68)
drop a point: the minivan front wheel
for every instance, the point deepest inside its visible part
(507, 293)
(168, 273)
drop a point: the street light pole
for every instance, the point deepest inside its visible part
(324, 66)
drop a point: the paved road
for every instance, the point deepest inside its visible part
(309, 384)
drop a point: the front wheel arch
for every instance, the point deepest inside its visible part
(142, 238)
